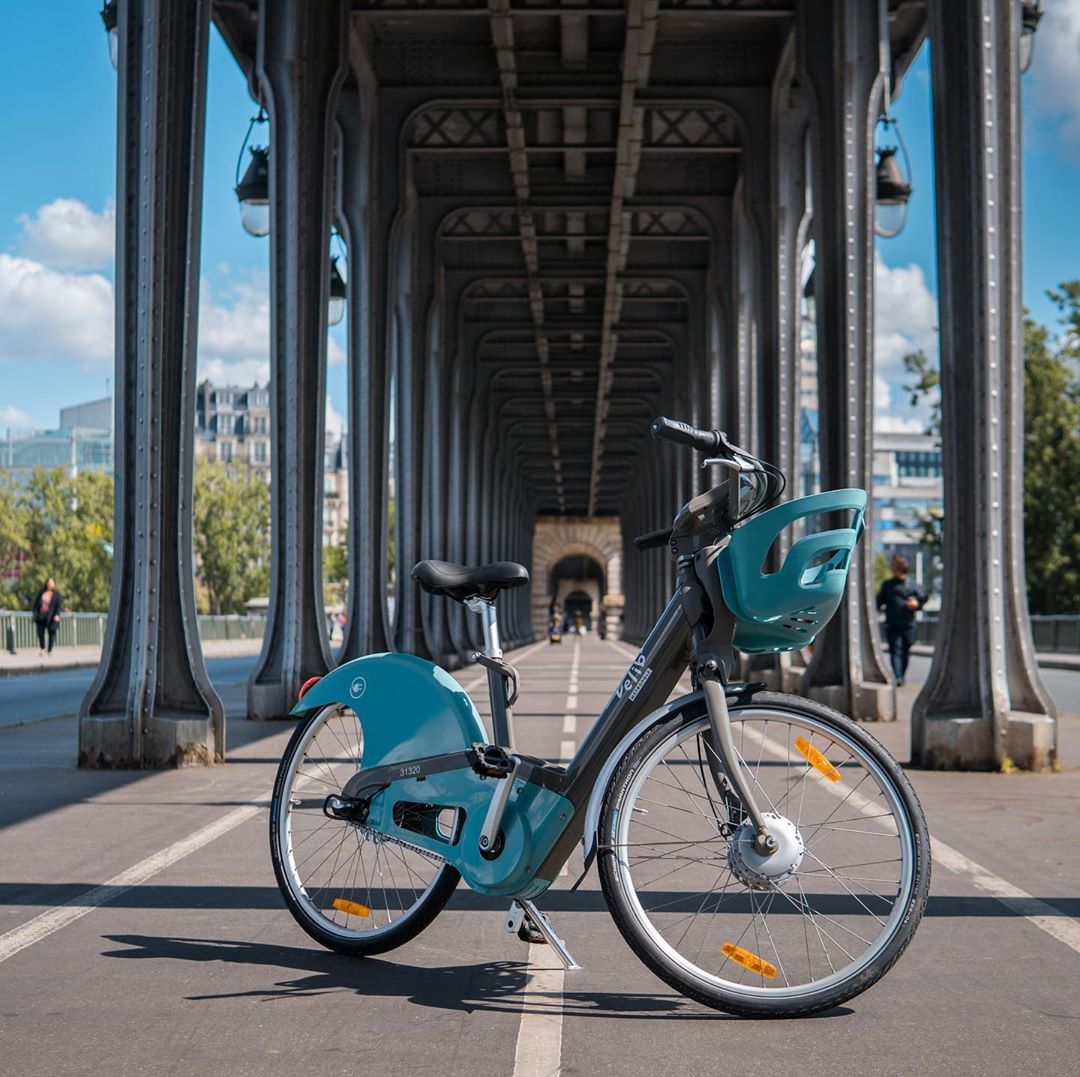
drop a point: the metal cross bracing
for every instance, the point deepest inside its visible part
(562, 219)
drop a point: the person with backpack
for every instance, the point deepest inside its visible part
(900, 597)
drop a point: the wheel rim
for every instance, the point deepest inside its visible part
(377, 883)
(830, 911)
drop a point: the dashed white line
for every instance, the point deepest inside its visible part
(40, 927)
(53, 919)
(569, 723)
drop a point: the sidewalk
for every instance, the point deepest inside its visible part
(12, 665)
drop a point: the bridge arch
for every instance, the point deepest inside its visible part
(598, 538)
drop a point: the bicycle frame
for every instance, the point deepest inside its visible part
(513, 840)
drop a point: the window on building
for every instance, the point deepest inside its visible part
(225, 452)
(918, 465)
(260, 424)
(260, 452)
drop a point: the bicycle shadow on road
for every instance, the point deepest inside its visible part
(491, 986)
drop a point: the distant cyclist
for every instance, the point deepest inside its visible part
(900, 597)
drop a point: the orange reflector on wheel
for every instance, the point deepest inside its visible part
(353, 908)
(816, 759)
(748, 960)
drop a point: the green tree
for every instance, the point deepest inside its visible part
(1052, 459)
(14, 539)
(69, 534)
(335, 573)
(1051, 454)
(924, 386)
(232, 527)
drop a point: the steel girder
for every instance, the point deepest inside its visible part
(838, 57)
(300, 65)
(151, 703)
(984, 700)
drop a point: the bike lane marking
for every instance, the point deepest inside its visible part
(52, 920)
(539, 1041)
(1064, 928)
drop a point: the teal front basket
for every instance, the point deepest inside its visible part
(785, 610)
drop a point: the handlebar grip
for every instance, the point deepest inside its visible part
(653, 540)
(684, 434)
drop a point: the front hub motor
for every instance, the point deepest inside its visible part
(766, 872)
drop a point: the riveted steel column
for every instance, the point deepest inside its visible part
(984, 699)
(151, 702)
(838, 62)
(365, 629)
(300, 63)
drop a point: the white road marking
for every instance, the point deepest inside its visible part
(569, 723)
(539, 1042)
(1065, 929)
(60, 916)
(54, 919)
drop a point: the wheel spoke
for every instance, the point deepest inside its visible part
(697, 895)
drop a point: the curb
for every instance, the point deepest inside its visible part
(46, 667)
(62, 665)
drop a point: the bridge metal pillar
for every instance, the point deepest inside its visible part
(151, 702)
(357, 194)
(984, 700)
(837, 43)
(300, 65)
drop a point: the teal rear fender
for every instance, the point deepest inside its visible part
(408, 708)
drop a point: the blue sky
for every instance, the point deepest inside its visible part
(58, 182)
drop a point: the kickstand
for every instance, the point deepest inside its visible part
(529, 922)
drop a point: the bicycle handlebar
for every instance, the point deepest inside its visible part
(684, 434)
(653, 540)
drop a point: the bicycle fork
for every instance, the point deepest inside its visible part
(727, 773)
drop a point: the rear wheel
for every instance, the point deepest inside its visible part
(814, 924)
(349, 888)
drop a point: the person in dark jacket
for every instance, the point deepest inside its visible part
(46, 612)
(900, 597)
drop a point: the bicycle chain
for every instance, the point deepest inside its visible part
(379, 839)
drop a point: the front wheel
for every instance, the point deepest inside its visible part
(351, 889)
(815, 923)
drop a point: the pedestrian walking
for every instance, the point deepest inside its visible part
(46, 613)
(900, 597)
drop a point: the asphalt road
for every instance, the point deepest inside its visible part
(35, 696)
(188, 963)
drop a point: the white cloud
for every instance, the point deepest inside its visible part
(46, 313)
(11, 416)
(905, 320)
(1053, 85)
(234, 333)
(897, 424)
(68, 234)
(335, 422)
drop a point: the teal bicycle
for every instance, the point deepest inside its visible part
(760, 852)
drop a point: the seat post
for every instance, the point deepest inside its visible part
(501, 715)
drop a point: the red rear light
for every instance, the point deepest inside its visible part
(305, 686)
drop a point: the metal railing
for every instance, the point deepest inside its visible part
(17, 629)
(1052, 633)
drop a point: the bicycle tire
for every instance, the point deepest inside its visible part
(652, 948)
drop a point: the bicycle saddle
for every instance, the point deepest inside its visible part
(461, 582)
